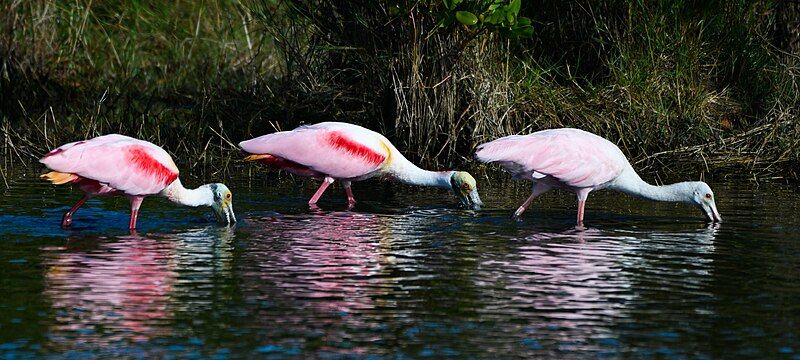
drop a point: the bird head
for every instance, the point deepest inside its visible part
(466, 189)
(222, 203)
(703, 198)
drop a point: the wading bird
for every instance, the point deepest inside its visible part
(345, 152)
(581, 162)
(119, 165)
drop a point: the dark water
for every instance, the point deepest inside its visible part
(405, 274)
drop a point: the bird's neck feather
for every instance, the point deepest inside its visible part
(630, 183)
(175, 192)
(405, 171)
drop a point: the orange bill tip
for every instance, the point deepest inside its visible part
(59, 178)
(255, 157)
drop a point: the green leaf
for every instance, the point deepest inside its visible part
(466, 18)
(494, 18)
(510, 17)
(514, 6)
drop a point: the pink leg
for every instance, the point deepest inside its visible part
(351, 201)
(325, 183)
(136, 202)
(538, 189)
(581, 204)
(66, 221)
(583, 194)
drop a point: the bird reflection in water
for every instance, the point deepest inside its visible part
(331, 261)
(111, 290)
(329, 267)
(580, 281)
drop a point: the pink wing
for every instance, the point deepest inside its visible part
(339, 150)
(575, 157)
(132, 166)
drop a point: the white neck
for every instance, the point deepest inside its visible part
(630, 183)
(404, 171)
(175, 192)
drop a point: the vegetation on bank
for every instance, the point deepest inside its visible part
(701, 85)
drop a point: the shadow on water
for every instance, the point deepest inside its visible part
(404, 273)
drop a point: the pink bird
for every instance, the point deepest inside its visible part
(345, 152)
(581, 162)
(119, 165)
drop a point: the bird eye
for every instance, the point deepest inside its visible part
(228, 196)
(708, 196)
(465, 186)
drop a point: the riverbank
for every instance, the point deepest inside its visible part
(710, 91)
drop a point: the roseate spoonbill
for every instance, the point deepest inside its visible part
(346, 152)
(580, 161)
(120, 165)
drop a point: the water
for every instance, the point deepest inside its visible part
(405, 274)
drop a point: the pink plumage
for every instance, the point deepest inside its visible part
(575, 158)
(570, 159)
(346, 152)
(120, 165)
(111, 165)
(329, 150)
(128, 165)
(582, 162)
(338, 150)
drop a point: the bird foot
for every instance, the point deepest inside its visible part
(580, 227)
(66, 221)
(351, 204)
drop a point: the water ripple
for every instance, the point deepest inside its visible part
(405, 277)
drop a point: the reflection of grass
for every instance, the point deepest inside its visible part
(714, 85)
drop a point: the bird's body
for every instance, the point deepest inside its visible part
(119, 165)
(582, 162)
(346, 152)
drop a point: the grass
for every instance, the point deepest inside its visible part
(681, 86)
(183, 75)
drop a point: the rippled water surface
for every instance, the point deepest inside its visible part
(404, 274)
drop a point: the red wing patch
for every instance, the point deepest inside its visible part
(339, 141)
(143, 161)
